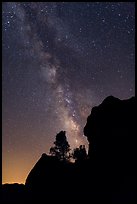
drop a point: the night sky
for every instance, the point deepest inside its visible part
(59, 60)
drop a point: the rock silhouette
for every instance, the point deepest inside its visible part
(107, 175)
(111, 133)
(111, 129)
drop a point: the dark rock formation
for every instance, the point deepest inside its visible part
(110, 130)
(50, 178)
(109, 175)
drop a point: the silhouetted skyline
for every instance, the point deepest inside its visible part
(59, 60)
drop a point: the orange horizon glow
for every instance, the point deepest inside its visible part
(16, 167)
(17, 174)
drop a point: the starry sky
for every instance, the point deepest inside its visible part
(59, 59)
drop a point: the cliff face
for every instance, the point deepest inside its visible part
(111, 132)
(110, 129)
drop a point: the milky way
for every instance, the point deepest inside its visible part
(60, 60)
